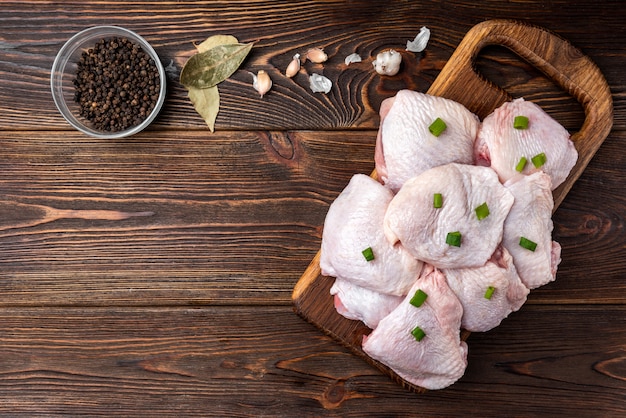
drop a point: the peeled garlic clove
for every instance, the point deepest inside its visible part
(319, 83)
(293, 67)
(316, 55)
(387, 62)
(421, 40)
(352, 58)
(261, 82)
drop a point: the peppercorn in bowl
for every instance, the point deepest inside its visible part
(108, 82)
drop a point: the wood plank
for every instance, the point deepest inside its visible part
(166, 220)
(214, 200)
(340, 27)
(225, 361)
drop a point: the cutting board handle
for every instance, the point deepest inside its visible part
(561, 62)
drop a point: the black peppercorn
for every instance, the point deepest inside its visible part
(111, 80)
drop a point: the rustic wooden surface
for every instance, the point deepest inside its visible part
(152, 275)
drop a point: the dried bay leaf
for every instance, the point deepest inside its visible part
(207, 69)
(207, 103)
(215, 40)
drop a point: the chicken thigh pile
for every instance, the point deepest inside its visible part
(453, 235)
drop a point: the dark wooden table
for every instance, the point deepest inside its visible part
(188, 311)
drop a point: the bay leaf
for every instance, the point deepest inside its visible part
(207, 69)
(215, 40)
(206, 102)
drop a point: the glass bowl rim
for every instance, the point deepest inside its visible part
(77, 42)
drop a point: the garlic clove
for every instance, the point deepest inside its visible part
(421, 40)
(387, 62)
(316, 55)
(320, 84)
(261, 82)
(354, 57)
(293, 67)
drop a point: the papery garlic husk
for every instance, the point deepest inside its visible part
(354, 57)
(421, 40)
(320, 84)
(261, 82)
(316, 55)
(293, 67)
(387, 62)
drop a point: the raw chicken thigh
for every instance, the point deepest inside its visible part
(439, 358)
(361, 304)
(353, 224)
(530, 217)
(460, 227)
(488, 293)
(405, 147)
(423, 229)
(501, 146)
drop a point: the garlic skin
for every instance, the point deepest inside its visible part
(354, 57)
(316, 55)
(293, 67)
(320, 84)
(421, 40)
(387, 62)
(261, 82)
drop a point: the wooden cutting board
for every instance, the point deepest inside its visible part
(458, 81)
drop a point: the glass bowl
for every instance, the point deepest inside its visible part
(64, 72)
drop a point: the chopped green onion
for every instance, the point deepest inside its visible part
(521, 164)
(437, 200)
(520, 122)
(368, 253)
(528, 244)
(482, 211)
(539, 160)
(454, 238)
(418, 299)
(418, 333)
(437, 127)
(489, 292)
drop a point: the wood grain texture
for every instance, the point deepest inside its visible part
(340, 27)
(233, 361)
(152, 276)
(163, 219)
